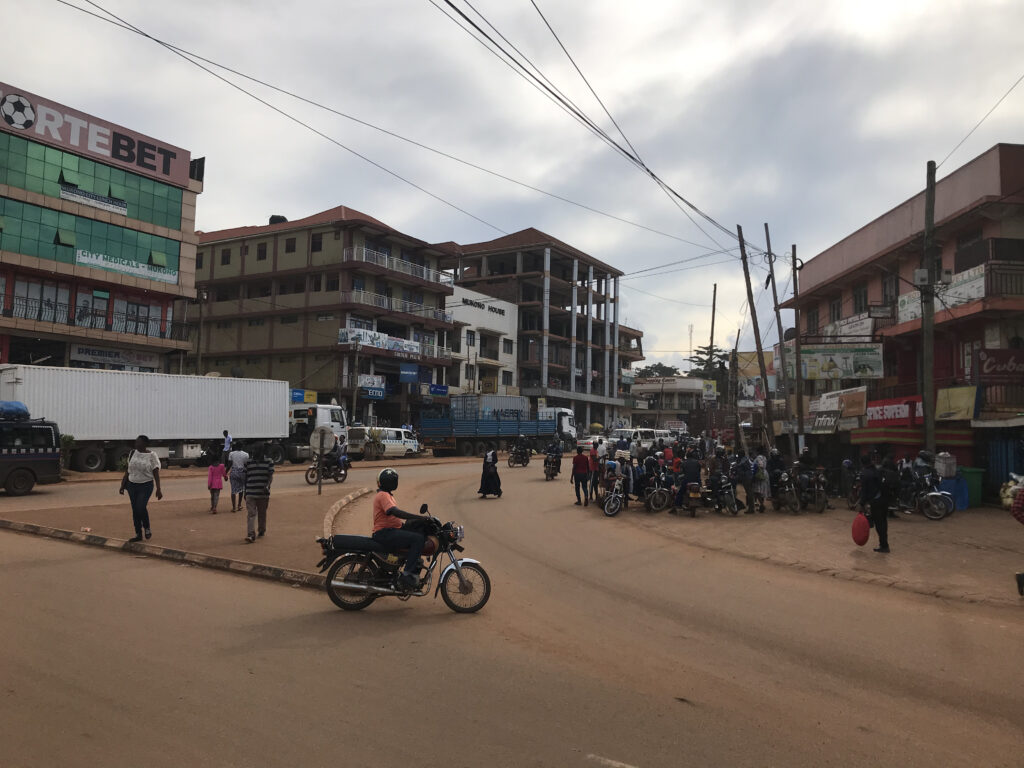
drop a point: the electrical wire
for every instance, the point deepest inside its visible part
(977, 125)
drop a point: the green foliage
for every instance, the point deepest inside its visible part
(707, 361)
(656, 370)
(67, 442)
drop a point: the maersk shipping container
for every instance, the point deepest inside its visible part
(507, 407)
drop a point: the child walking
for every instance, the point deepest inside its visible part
(215, 478)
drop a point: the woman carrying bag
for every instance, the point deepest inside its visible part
(141, 475)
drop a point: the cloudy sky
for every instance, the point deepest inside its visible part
(813, 115)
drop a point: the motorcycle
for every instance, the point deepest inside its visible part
(718, 494)
(332, 470)
(920, 493)
(615, 499)
(518, 457)
(551, 467)
(658, 494)
(785, 496)
(806, 489)
(359, 570)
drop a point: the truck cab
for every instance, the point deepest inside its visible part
(565, 422)
(304, 418)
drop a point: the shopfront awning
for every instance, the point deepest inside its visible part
(947, 437)
(1009, 423)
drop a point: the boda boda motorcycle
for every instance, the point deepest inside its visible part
(360, 570)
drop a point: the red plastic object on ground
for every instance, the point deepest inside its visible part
(861, 530)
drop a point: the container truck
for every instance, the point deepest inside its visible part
(183, 416)
(473, 421)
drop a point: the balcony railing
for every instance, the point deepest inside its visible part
(490, 354)
(436, 352)
(398, 265)
(392, 304)
(1004, 278)
(45, 311)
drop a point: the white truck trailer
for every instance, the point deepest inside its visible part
(182, 415)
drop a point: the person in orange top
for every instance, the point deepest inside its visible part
(388, 530)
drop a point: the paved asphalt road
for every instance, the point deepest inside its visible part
(603, 644)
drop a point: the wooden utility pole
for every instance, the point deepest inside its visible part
(780, 364)
(797, 362)
(769, 428)
(928, 257)
(714, 301)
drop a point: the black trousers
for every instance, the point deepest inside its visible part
(880, 517)
(395, 539)
(582, 481)
(138, 495)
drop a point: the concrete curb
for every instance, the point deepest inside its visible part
(339, 505)
(259, 570)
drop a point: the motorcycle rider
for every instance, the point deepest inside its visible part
(519, 447)
(805, 466)
(554, 453)
(689, 473)
(391, 533)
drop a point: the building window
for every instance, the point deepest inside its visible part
(286, 359)
(258, 290)
(506, 346)
(255, 322)
(812, 321)
(252, 361)
(453, 375)
(261, 252)
(317, 243)
(470, 373)
(890, 289)
(289, 319)
(315, 282)
(860, 298)
(358, 283)
(199, 260)
(360, 323)
(223, 323)
(332, 282)
(835, 310)
(289, 245)
(506, 378)
(221, 361)
(470, 341)
(225, 257)
(324, 316)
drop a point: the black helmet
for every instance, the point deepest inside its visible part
(387, 479)
(720, 450)
(926, 456)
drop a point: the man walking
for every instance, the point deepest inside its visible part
(227, 448)
(872, 500)
(235, 465)
(259, 474)
(581, 476)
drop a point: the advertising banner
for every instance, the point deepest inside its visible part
(88, 353)
(374, 393)
(751, 390)
(849, 402)
(304, 396)
(709, 390)
(856, 327)
(824, 422)
(408, 373)
(1001, 366)
(379, 340)
(440, 390)
(955, 403)
(895, 412)
(125, 266)
(109, 204)
(47, 122)
(966, 286)
(837, 361)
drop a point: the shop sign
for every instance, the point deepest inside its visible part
(955, 403)
(895, 412)
(304, 396)
(966, 286)
(1001, 366)
(85, 197)
(837, 361)
(825, 422)
(625, 376)
(849, 402)
(849, 423)
(87, 353)
(377, 340)
(882, 311)
(371, 380)
(408, 373)
(857, 326)
(45, 121)
(374, 393)
(125, 266)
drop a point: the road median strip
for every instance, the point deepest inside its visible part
(184, 557)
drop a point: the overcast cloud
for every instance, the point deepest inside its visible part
(815, 116)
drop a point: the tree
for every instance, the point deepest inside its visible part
(656, 370)
(707, 362)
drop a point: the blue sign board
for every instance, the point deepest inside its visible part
(441, 390)
(408, 373)
(298, 395)
(374, 393)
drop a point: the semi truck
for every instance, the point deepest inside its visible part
(183, 416)
(474, 421)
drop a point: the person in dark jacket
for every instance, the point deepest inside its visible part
(490, 482)
(873, 500)
(581, 476)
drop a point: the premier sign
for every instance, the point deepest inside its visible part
(48, 122)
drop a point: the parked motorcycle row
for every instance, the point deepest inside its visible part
(919, 492)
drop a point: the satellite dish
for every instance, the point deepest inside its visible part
(789, 335)
(212, 374)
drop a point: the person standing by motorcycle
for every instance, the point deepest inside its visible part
(581, 476)
(595, 471)
(743, 471)
(805, 468)
(390, 532)
(873, 501)
(761, 486)
(490, 482)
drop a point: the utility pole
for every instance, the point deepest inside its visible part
(733, 390)
(714, 301)
(691, 346)
(780, 364)
(769, 427)
(797, 363)
(928, 312)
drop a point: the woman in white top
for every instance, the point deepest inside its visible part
(142, 474)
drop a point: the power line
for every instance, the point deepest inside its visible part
(977, 125)
(294, 119)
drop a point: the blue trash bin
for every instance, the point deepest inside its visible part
(957, 487)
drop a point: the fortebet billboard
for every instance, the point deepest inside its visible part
(48, 122)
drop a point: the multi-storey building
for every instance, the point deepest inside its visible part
(861, 292)
(571, 341)
(337, 302)
(483, 345)
(96, 239)
(668, 400)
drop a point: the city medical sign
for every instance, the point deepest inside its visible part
(25, 114)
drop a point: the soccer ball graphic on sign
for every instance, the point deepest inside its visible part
(17, 111)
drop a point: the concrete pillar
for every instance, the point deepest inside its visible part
(607, 339)
(589, 420)
(483, 266)
(590, 335)
(546, 318)
(615, 343)
(519, 262)
(572, 341)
